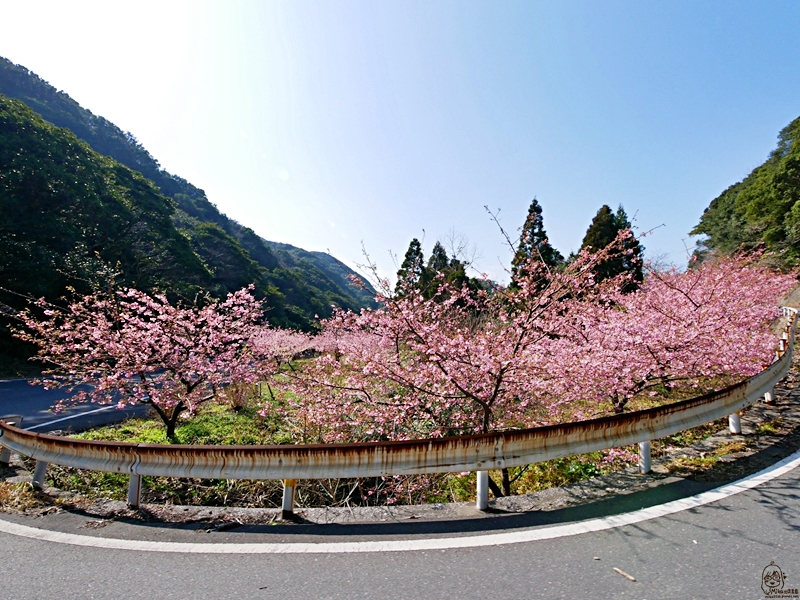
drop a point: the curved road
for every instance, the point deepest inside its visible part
(34, 403)
(714, 550)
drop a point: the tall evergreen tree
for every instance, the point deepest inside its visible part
(415, 274)
(412, 270)
(534, 244)
(633, 259)
(603, 230)
(438, 263)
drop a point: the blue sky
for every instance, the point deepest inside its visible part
(325, 124)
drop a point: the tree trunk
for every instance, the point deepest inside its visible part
(506, 482)
(619, 405)
(487, 419)
(498, 493)
(170, 420)
(171, 431)
(173, 422)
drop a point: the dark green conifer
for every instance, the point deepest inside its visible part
(603, 230)
(534, 244)
(438, 262)
(412, 270)
(633, 258)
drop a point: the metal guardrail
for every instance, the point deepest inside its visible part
(464, 453)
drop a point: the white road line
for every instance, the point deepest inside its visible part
(87, 412)
(473, 541)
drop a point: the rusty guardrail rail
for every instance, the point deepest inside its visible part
(464, 453)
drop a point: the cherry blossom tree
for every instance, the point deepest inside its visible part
(462, 362)
(711, 320)
(277, 346)
(132, 348)
(473, 362)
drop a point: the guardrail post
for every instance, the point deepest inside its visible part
(644, 457)
(5, 453)
(38, 474)
(135, 490)
(289, 486)
(735, 423)
(769, 397)
(483, 490)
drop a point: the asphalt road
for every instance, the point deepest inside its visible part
(34, 404)
(717, 550)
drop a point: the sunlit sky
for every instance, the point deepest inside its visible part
(325, 124)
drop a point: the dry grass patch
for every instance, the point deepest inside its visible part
(15, 497)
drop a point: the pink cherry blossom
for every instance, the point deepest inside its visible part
(466, 362)
(132, 348)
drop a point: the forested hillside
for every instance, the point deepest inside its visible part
(80, 199)
(310, 282)
(65, 209)
(762, 209)
(70, 216)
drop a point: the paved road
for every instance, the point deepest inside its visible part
(717, 550)
(18, 397)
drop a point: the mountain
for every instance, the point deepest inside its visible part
(762, 210)
(81, 202)
(309, 282)
(67, 213)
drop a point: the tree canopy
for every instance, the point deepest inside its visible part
(415, 275)
(412, 269)
(762, 209)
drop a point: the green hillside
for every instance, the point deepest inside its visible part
(306, 281)
(64, 209)
(80, 200)
(762, 209)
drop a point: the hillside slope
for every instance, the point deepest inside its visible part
(72, 220)
(65, 210)
(762, 209)
(305, 280)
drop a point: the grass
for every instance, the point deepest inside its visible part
(769, 428)
(215, 425)
(556, 473)
(704, 462)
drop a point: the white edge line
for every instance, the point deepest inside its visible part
(494, 539)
